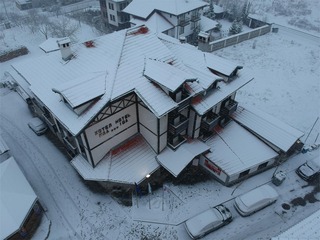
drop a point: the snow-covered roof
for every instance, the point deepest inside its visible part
(50, 45)
(16, 197)
(307, 229)
(267, 127)
(221, 92)
(115, 63)
(3, 146)
(83, 89)
(234, 149)
(176, 161)
(130, 165)
(193, 59)
(156, 22)
(143, 8)
(207, 24)
(166, 75)
(220, 64)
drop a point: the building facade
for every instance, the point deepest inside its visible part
(132, 102)
(112, 14)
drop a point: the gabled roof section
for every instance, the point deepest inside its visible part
(268, 127)
(223, 90)
(220, 65)
(166, 75)
(50, 71)
(143, 8)
(193, 59)
(83, 89)
(17, 197)
(156, 22)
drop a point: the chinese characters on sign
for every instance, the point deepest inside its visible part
(110, 127)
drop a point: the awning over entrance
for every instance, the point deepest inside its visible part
(267, 127)
(128, 164)
(176, 161)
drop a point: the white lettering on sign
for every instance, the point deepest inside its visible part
(111, 126)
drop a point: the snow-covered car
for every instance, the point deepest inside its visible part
(309, 170)
(255, 200)
(38, 126)
(208, 221)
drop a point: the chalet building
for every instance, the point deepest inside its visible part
(112, 14)
(135, 103)
(177, 18)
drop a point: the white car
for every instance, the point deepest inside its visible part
(38, 126)
(309, 170)
(255, 200)
(208, 221)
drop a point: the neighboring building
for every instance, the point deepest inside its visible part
(177, 18)
(24, 4)
(19, 206)
(112, 14)
(134, 102)
(307, 229)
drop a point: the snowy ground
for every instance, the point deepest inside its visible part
(286, 85)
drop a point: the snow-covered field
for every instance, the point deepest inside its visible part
(286, 70)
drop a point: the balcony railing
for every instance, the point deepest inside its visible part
(176, 142)
(71, 144)
(229, 108)
(48, 119)
(183, 21)
(180, 126)
(232, 106)
(195, 17)
(210, 122)
(185, 102)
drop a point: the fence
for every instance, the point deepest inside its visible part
(226, 42)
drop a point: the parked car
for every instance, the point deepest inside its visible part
(255, 200)
(309, 170)
(208, 221)
(38, 126)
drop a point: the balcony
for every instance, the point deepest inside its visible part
(71, 144)
(185, 101)
(176, 128)
(195, 17)
(48, 119)
(183, 21)
(229, 108)
(210, 121)
(176, 142)
(232, 106)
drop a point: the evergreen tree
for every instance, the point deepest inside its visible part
(210, 13)
(235, 28)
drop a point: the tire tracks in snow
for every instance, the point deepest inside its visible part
(44, 168)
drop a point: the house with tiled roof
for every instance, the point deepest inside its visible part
(134, 103)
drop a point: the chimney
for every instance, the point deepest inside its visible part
(65, 48)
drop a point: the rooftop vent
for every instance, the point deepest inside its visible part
(89, 44)
(65, 48)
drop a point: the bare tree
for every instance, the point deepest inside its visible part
(33, 20)
(16, 19)
(45, 26)
(64, 28)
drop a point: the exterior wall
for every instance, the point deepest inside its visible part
(152, 129)
(112, 12)
(104, 135)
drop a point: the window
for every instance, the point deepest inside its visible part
(111, 7)
(245, 173)
(181, 30)
(112, 18)
(263, 165)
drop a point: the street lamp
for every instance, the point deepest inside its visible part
(149, 189)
